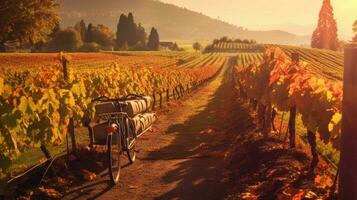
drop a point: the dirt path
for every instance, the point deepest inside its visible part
(184, 157)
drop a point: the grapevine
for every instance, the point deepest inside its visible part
(285, 83)
(35, 109)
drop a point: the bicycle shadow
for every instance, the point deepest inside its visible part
(90, 190)
(94, 189)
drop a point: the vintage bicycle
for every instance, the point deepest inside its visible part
(119, 123)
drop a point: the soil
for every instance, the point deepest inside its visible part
(206, 146)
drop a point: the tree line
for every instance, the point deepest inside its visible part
(22, 25)
(82, 37)
(229, 40)
(131, 35)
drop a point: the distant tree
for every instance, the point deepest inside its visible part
(197, 46)
(122, 31)
(325, 35)
(125, 46)
(154, 40)
(89, 34)
(27, 21)
(55, 30)
(132, 30)
(224, 39)
(82, 29)
(103, 36)
(175, 47)
(67, 40)
(355, 31)
(141, 35)
(130, 33)
(209, 48)
(90, 47)
(238, 40)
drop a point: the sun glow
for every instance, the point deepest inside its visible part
(275, 14)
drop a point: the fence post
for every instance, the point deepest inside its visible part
(182, 89)
(292, 118)
(295, 58)
(177, 92)
(154, 97)
(71, 120)
(348, 157)
(160, 100)
(173, 94)
(167, 95)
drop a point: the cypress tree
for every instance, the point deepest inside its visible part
(132, 30)
(141, 35)
(89, 33)
(122, 31)
(153, 41)
(325, 35)
(82, 29)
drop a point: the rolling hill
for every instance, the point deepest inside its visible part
(173, 22)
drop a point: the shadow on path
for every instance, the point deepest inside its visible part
(202, 142)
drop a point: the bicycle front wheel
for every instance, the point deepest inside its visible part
(129, 131)
(114, 154)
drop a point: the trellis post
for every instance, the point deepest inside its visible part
(348, 158)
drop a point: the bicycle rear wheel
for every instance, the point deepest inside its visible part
(131, 151)
(114, 154)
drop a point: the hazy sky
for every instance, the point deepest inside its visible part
(298, 16)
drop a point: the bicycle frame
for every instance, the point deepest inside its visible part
(117, 120)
